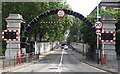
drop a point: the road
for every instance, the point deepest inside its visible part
(59, 61)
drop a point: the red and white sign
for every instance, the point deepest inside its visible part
(61, 13)
(98, 25)
(112, 32)
(17, 35)
(98, 32)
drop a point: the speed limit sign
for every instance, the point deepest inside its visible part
(61, 13)
(98, 25)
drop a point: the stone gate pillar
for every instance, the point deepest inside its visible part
(109, 25)
(13, 23)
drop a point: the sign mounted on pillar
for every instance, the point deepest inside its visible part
(108, 36)
(61, 13)
(98, 25)
(9, 35)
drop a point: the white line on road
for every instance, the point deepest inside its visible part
(61, 59)
(60, 63)
(93, 67)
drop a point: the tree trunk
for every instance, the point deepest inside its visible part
(91, 53)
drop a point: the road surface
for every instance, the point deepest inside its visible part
(60, 61)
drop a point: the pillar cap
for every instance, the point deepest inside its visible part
(107, 17)
(14, 17)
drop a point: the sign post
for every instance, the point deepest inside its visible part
(98, 25)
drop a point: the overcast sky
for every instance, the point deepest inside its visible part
(84, 7)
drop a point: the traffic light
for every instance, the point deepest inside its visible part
(9, 35)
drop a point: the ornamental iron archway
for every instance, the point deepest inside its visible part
(53, 12)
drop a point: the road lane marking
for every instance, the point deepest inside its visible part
(93, 67)
(60, 63)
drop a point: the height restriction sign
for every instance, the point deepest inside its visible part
(98, 25)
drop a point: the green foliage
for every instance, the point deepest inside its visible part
(83, 33)
(56, 31)
(93, 15)
(29, 10)
(88, 34)
(73, 35)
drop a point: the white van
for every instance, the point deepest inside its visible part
(65, 47)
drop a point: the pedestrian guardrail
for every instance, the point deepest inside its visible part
(29, 57)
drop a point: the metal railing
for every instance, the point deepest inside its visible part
(29, 57)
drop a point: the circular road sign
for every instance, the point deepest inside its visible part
(98, 25)
(98, 32)
(61, 13)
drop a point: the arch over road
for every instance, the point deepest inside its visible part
(53, 12)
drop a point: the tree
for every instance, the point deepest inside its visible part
(89, 37)
(75, 35)
(29, 10)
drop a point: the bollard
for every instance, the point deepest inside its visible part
(9, 62)
(104, 59)
(20, 59)
(26, 57)
(17, 58)
(3, 64)
(23, 59)
(14, 61)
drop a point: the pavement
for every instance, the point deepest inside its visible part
(110, 66)
(19, 66)
(82, 58)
